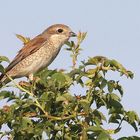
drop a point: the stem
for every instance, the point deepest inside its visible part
(30, 93)
(38, 105)
(75, 52)
(120, 123)
(74, 58)
(54, 118)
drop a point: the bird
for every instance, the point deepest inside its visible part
(38, 53)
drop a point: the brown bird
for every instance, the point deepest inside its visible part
(38, 53)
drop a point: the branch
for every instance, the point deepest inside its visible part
(30, 93)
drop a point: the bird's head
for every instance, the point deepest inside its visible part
(59, 33)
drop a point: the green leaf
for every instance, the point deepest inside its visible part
(60, 99)
(104, 136)
(130, 74)
(106, 63)
(70, 43)
(75, 72)
(25, 40)
(4, 58)
(99, 115)
(85, 104)
(67, 137)
(2, 70)
(120, 89)
(79, 80)
(44, 96)
(116, 104)
(81, 36)
(115, 97)
(103, 83)
(5, 94)
(25, 122)
(130, 138)
(134, 126)
(61, 79)
(95, 129)
(113, 109)
(96, 60)
(69, 97)
(116, 64)
(91, 71)
(114, 118)
(45, 73)
(110, 86)
(75, 128)
(84, 135)
(132, 116)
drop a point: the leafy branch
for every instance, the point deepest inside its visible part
(74, 48)
(50, 106)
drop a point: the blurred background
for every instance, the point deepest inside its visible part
(113, 31)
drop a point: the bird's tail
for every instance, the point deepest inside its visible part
(3, 80)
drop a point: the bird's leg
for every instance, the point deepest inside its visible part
(32, 81)
(31, 77)
(29, 83)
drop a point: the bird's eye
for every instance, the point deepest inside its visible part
(60, 30)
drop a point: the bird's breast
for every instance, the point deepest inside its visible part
(43, 57)
(36, 61)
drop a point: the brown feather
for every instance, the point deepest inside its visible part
(30, 48)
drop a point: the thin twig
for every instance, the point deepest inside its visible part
(38, 105)
(30, 93)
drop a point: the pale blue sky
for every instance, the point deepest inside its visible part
(113, 28)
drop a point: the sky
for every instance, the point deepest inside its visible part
(113, 28)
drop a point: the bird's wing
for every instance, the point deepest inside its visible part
(31, 47)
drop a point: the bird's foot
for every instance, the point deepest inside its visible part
(24, 84)
(31, 77)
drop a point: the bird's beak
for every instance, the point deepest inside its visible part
(72, 34)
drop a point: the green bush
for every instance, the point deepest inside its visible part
(47, 105)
